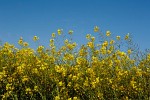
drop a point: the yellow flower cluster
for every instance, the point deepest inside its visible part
(95, 71)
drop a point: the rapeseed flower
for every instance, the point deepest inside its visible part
(57, 98)
(36, 88)
(75, 98)
(129, 51)
(40, 49)
(25, 78)
(59, 31)
(118, 37)
(53, 35)
(96, 29)
(112, 42)
(20, 42)
(25, 44)
(28, 91)
(88, 36)
(35, 38)
(108, 33)
(92, 39)
(60, 83)
(70, 32)
(127, 36)
(90, 44)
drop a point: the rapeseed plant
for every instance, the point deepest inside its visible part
(94, 71)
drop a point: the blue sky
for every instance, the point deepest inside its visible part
(27, 18)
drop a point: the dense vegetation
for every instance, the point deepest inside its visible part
(111, 69)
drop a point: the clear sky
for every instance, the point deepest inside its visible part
(27, 18)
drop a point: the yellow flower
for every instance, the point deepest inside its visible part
(68, 57)
(1, 76)
(110, 81)
(90, 44)
(28, 90)
(88, 36)
(75, 98)
(40, 49)
(108, 33)
(66, 41)
(148, 56)
(51, 44)
(108, 51)
(51, 40)
(36, 88)
(53, 35)
(94, 58)
(139, 72)
(69, 84)
(20, 42)
(20, 69)
(112, 42)
(70, 32)
(25, 44)
(133, 83)
(70, 46)
(96, 29)
(74, 44)
(110, 63)
(121, 54)
(9, 87)
(60, 83)
(103, 50)
(129, 51)
(126, 98)
(25, 78)
(92, 38)
(69, 98)
(58, 69)
(76, 86)
(35, 38)
(117, 62)
(118, 37)
(93, 84)
(59, 31)
(97, 80)
(105, 44)
(74, 78)
(35, 70)
(57, 98)
(78, 60)
(97, 52)
(127, 37)
(86, 83)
